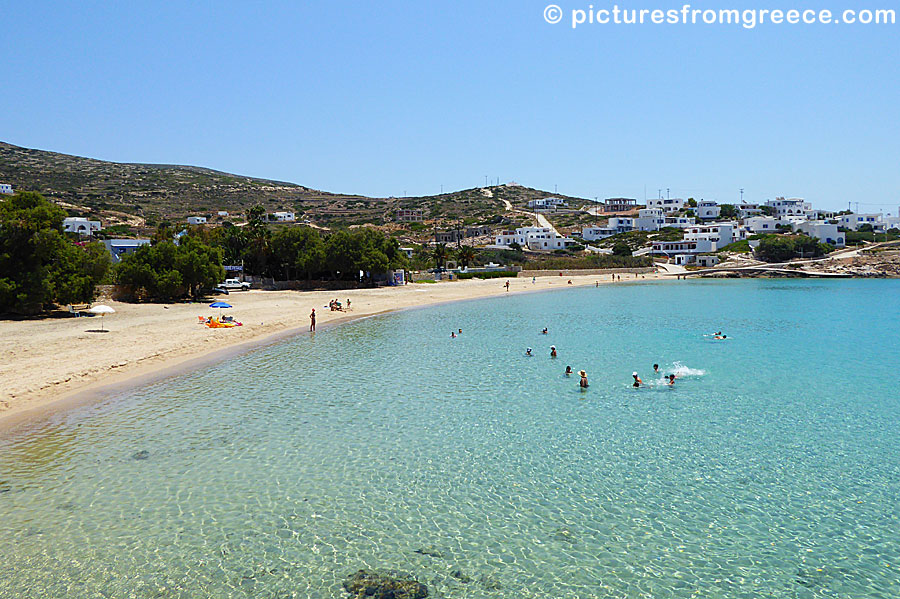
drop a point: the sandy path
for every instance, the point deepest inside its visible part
(45, 361)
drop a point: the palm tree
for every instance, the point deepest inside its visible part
(466, 255)
(440, 255)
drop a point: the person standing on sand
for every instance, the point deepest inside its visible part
(312, 320)
(507, 287)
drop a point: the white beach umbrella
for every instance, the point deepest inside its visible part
(101, 310)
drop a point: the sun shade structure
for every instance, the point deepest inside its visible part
(102, 310)
(221, 306)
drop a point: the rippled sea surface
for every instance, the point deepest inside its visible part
(770, 469)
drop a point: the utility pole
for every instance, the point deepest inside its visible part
(742, 195)
(667, 193)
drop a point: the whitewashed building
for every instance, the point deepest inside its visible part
(196, 220)
(854, 221)
(824, 232)
(708, 210)
(82, 226)
(720, 234)
(666, 204)
(119, 248)
(680, 222)
(534, 238)
(6, 189)
(684, 251)
(791, 207)
(761, 224)
(649, 219)
(222, 213)
(747, 210)
(546, 203)
(282, 217)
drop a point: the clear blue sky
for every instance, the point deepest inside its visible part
(382, 98)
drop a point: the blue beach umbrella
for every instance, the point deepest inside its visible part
(220, 305)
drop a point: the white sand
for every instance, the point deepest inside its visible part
(46, 361)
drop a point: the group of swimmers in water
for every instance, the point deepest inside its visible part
(583, 383)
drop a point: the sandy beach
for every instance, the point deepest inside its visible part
(48, 361)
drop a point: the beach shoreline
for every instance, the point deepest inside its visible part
(53, 365)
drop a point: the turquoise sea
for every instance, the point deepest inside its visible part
(770, 469)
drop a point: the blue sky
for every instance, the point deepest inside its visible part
(402, 97)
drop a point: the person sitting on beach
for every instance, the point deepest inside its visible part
(528, 352)
(637, 380)
(570, 281)
(568, 370)
(584, 382)
(552, 351)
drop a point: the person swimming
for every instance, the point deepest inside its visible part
(544, 332)
(452, 335)
(460, 331)
(552, 351)
(528, 352)
(637, 380)
(671, 380)
(568, 370)
(720, 337)
(583, 383)
(656, 368)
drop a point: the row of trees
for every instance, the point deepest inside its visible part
(781, 248)
(165, 270)
(39, 264)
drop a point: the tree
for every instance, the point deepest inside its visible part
(165, 271)
(692, 202)
(466, 255)
(621, 249)
(728, 211)
(866, 228)
(440, 255)
(39, 265)
(298, 250)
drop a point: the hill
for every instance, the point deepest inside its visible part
(143, 195)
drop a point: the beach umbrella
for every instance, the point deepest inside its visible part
(102, 310)
(220, 305)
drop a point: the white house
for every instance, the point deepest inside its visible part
(534, 238)
(761, 224)
(408, 252)
(649, 219)
(854, 221)
(824, 232)
(597, 233)
(6, 189)
(792, 207)
(708, 210)
(80, 225)
(546, 203)
(222, 213)
(720, 234)
(747, 210)
(118, 248)
(196, 220)
(282, 217)
(680, 222)
(684, 251)
(666, 204)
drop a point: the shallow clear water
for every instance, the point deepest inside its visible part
(772, 469)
